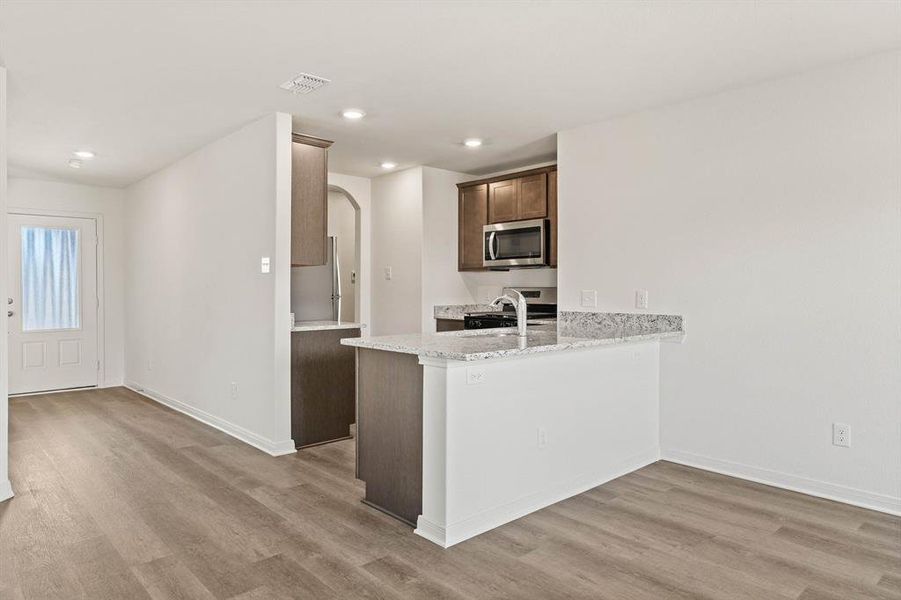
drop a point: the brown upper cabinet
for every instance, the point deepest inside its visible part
(309, 200)
(503, 201)
(552, 215)
(518, 199)
(533, 196)
(473, 215)
(520, 196)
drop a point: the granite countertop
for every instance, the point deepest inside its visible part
(574, 330)
(456, 312)
(325, 325)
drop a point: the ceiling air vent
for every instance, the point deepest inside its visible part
(304, 83)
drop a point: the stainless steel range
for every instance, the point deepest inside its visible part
(541, 304)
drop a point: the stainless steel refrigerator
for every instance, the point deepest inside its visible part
(316, 291)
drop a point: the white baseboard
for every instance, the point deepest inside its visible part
(6, 490)
(495, 517)
(812, 487)
(248, 437)
(434, 533)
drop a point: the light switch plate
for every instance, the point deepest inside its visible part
(388, 273)
(264, 264)
(641, 299)
(589, 298)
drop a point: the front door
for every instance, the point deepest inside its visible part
(52, 303)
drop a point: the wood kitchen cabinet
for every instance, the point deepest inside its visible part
(323, 386)
(473, 215)
(552, 216)
(503, 201)
(309, 200)
(520, 196)
(389, 432)
(518, 199)
(449, 325)
(532, 197)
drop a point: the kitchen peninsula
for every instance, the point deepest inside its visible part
(459, 432)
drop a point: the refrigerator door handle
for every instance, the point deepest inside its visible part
(336, 283)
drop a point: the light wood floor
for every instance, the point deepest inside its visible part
(120, 498)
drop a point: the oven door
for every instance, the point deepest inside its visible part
(516, 244)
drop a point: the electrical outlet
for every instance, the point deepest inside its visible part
(149, 364)
(264, 264)
(234, 390)
(589, 298)
(542, 437)
(387, 273)
(641, 299)
(841, 435)
(475, 375)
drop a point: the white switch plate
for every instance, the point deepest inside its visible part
(234, 389)
(264, 264)
(589, 298)
(388, 273)
(475, 375)
(841, 435)
(542, 437)
(641, 298)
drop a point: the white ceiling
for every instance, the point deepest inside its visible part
(144, 83)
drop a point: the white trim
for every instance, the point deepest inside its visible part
(100, 291)
(59, 391)
(248, 437)
(434, 533)
(795, 483)
(6, 490)
(495, 517)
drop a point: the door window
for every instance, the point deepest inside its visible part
(50, 279)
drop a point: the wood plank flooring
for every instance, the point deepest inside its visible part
(120, 498)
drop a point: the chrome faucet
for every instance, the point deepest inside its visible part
(519, 304)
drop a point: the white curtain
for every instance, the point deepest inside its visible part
(49, 279)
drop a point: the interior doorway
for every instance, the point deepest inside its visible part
(342, 225)
(53, 304)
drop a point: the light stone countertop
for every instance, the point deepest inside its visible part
(325, 325)
(456, 312)
(483, 344)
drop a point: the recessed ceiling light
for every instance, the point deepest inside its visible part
(472, 143)
(75, 163)
(353, 114)
(388, 165)
(85, 154)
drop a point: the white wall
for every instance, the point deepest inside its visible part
(69, 199)
(359, 189)
(441, 283)
(199, 313)
(770, 217)
(6, 490)
(397, 243)
(342, 224)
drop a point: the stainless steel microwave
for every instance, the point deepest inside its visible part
(515, 244)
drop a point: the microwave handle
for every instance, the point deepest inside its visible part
(491, 238)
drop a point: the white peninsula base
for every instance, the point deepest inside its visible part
(508, 436)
